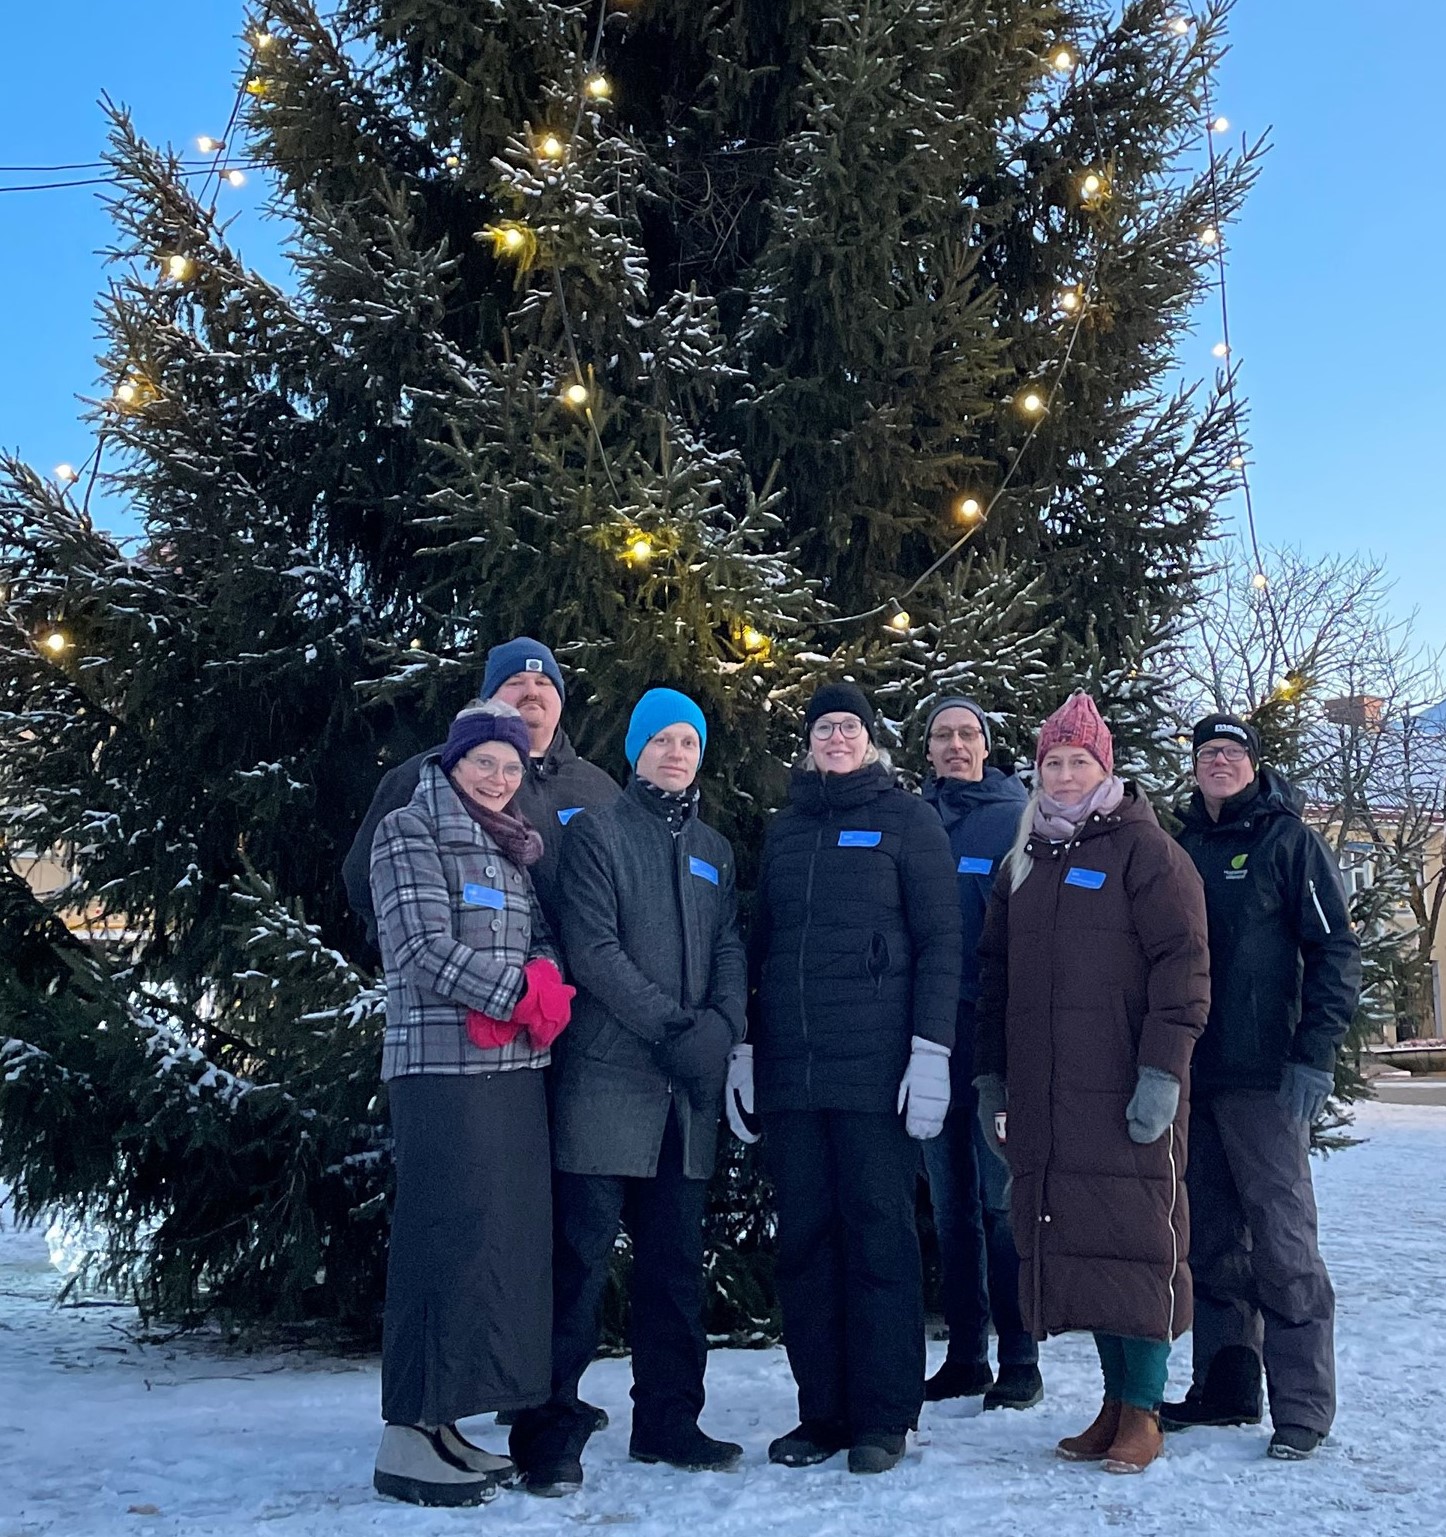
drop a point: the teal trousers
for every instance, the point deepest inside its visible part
(1135, 1370)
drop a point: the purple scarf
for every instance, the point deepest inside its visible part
(1061, 824)
(518, 839)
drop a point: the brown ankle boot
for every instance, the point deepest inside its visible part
(1093, 1445)
(1138, 1442)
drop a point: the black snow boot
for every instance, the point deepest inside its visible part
(808, 1444)
(1016, 1387)
(1230, 1394)
(958, 1379)
(876, 1451)
(686, 1447)
(1293, 1443)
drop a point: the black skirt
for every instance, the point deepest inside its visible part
(468, 1320)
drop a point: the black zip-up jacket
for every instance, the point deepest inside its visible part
(855, 944)
(1285, 968)
(553, 788)
(649, 929)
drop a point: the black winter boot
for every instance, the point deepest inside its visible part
(1293, 1443)
(876, 1451)
(1230, 1395)
(685, 1447)
(1016, 1387)
(958, 1379)
(808, 1444)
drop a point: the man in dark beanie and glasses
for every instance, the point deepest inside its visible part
(1285, 976)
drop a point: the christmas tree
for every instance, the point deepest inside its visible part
(723, 344)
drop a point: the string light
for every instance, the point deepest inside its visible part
(1179, 25)
(1221, 349)
(639, 549)
(1209, 235)
(66, 474)
(1093, 186)
(55, 642)
(599, 87)
(261, 38)
(415, 643)
(1070, 300)
(1237, 461)
(551, 147)
(1063, 59)
(900, 621)
(452, 162)
(968, 509)
(179, 267)
(1030, 401)
(753, 641)
(209, 146)
(1220, 125)
(127, 393)
(513, 239)
(1260, 581)
(576, 394)
(236, 178)
(256, 87)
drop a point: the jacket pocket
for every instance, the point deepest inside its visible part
(878, 961)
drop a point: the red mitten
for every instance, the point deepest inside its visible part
(546, 1006)
(484, 1031)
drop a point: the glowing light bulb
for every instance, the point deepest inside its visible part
(127, 393)
(236, 178)
(1092, 184)
(1179, 25)
(1209, 235)
(55, 642)
(969, 509)
(1237, 461)
(255, 87)
(576, 395)
(1069, 300)
(452, 162)
(639, 548)
(1031, 402)
(1221, 349)
(261, 38)
(415, 643)
(753, 640)
(550, 147)
(599, 87)
(1260, 581)
(179, 267)
(1220, 125)
(209, 146)
(900, 621)
(1062, 60)
(513, 238)
(66, 474)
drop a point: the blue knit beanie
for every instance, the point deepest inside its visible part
(475, 726)
(658, 709)
(521, 655)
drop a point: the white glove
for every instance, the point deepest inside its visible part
(924, 1092)
(738, 1096)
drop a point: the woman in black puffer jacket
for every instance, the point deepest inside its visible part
(856, 964)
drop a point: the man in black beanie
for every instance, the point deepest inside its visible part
(1285, 976)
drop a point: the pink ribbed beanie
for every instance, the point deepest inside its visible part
(1077, 723)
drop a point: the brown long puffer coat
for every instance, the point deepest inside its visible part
(1096, 966)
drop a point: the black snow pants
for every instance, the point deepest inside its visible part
(1260, 1281)
(849, 1276)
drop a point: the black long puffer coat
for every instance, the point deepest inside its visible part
(856, 942)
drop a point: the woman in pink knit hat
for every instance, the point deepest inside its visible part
(1094, 987)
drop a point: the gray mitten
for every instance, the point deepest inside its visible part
(1305, 1090)
(993, 1101)
(1153, 1105)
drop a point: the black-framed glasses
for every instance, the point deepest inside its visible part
(849, 728)
(1227, 753)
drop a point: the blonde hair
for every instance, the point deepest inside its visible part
(1017, 861)
(872, 754)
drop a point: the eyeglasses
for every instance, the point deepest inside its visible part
(848, 728)
(1226, 754)
(490, 768)
(941, 735)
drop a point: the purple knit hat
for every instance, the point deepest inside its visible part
(474, 726)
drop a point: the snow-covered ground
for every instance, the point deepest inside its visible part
(101, 1435)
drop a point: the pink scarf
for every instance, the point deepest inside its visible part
(1061, 824)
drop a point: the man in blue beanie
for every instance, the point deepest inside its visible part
(649, 930)
(968, 1181)
(556, 786)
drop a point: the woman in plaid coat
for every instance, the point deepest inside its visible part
(474, 999)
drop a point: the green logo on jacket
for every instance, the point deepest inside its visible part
(1236, 872)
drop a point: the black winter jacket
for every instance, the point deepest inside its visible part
(981, 818)
(552, 789)
(650, 933)
(856, 942)
(1285, 968)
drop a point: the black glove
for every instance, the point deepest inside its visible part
(696, 1053)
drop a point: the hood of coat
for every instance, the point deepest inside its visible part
(954, 799)
(1269, 794)
(816, 795)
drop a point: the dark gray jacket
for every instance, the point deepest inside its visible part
(552, 789)
(650, 931)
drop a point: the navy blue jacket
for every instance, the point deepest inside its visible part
(981, 818)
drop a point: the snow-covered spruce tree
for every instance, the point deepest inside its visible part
(689, 336)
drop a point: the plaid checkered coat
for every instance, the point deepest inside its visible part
(457, 922)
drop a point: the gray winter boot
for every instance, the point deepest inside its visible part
(413, 1465)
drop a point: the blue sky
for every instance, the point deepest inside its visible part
(1337, 313)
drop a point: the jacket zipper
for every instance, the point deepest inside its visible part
(1174, 1240)
(677, 836)
(802, 949)
(1319, 910)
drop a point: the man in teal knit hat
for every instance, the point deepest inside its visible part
(649, 930)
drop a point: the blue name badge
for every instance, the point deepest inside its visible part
(1091, 880)
(482, 896)
(970, 866)
(565, 814)
(702, 869)
(859, 840)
